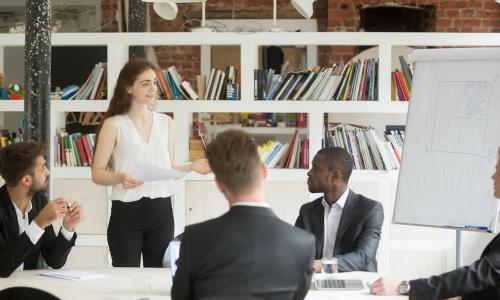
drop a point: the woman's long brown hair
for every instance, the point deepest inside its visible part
(122, 101)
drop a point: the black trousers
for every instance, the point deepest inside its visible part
(145, 226)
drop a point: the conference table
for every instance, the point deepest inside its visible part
(152, 284)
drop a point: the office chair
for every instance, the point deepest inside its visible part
(25, 293)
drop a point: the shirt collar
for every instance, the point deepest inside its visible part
(250, 203)
(18, 211)
(340, 202)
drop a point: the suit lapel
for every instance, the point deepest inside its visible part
(8, 209)
(348, 213)
(319, 226)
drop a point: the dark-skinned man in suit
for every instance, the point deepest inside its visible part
(347, 226)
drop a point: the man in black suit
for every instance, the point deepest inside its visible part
(26, 233)
(479, 281)
(248, 251)
(347, 225)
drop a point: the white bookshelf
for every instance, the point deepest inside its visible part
(376, 184)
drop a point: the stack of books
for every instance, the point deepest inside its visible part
(401, 81)
(223, 85)
(220, 86)
(368, 151)
(95, 87)
(293, 154)
(355, 81)
(74, 150)
(172, 87)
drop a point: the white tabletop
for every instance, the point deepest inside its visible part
(119, 283)
(366, 277)
(152, 284)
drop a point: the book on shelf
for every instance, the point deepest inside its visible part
(94, 87)
(200, 84)
(73, 150)
(8, 137)
(203, 134)
(401, 81)
(369, 152)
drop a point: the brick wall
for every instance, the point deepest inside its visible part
(332, 15)
(451, 15)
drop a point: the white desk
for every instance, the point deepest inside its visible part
(351, 295)
(120, 283)
(151, 283)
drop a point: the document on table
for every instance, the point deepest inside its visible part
(149, 172)
(75, 275)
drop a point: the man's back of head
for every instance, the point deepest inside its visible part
(235, 161)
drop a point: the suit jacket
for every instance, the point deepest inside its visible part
(16, 249)
(358, 234)
(247, 251)
(479, 281)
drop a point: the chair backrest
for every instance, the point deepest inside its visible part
(263, 296)
(26, 293)
(243, 297)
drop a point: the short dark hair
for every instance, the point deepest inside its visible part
(234, 159)
(338, 159)
(18, 160)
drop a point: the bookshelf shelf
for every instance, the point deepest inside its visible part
(368, 107)
(79, 105)
(300, 175)
(71, 172)
(11, 105)
(272, 175)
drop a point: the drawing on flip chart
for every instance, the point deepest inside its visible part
(461, 111)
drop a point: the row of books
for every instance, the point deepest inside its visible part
(74, 150)
(401, 81)
(221, 85)
(311, 85)
(95, 87)
(172, 87)
(293, 154)
(368, 151)
(359, 81)
(8, 137)
(355, 81)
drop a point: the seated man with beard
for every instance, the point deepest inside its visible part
(26, 233)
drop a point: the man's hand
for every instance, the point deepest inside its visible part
(384, 286)
(73, 217)
(55, 209)
(317, 265)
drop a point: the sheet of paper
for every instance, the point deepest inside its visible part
(74, 275)
(149, 172)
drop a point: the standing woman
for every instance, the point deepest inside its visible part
(141, 214)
